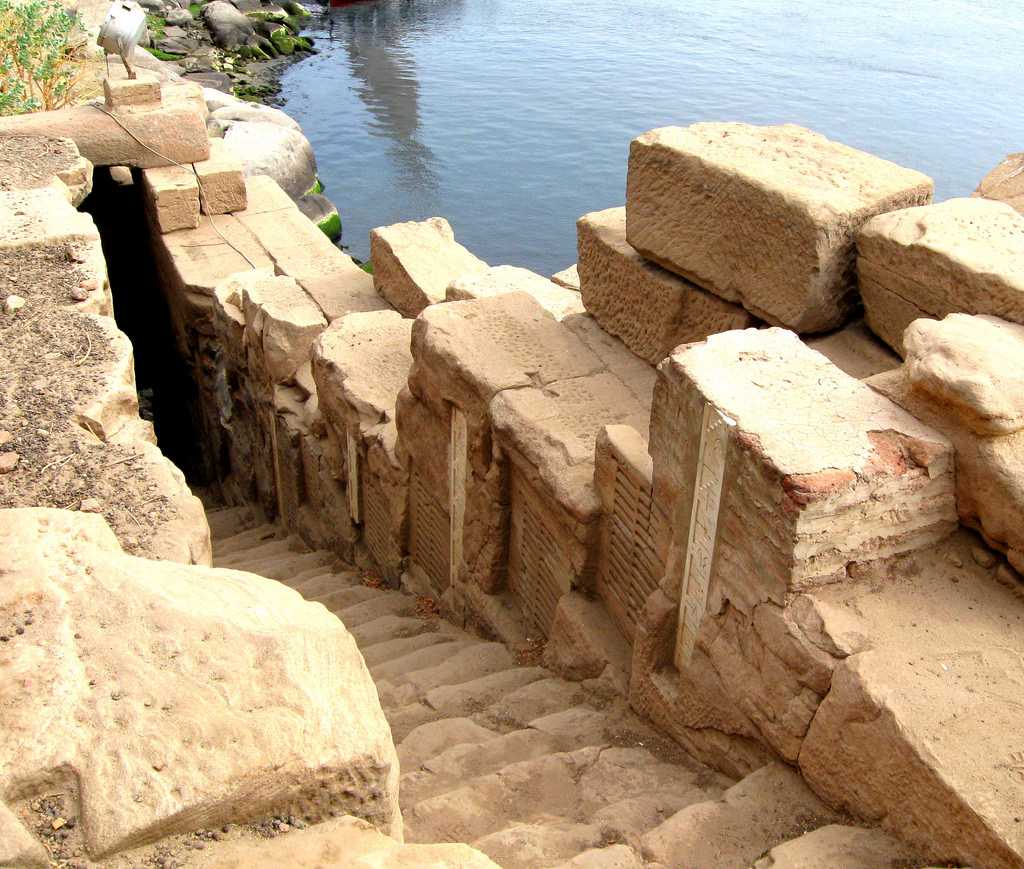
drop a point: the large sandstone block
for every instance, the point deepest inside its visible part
(779, 472)
(556, 300)
(762, 216)
(652, 310)
(166, 731)
(1005, 183)
(172, 196)
(222, 184)
(167, 135)
(963, 377)
(962, 255)
(414, 262)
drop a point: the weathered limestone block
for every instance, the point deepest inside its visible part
(962, 255)
(837, 845)
(163, 732)
(172, 196)
(464, 354)
(495, 280)
(141, 91)
(221, 182)
(41, 216)
(285, 319)
(568, 278)
(920, 730)
(652, 310)
(175, 135)
(762, 216)
(28, 162)
(414, 262)
(584, 640)
(962, 376)
(1005, 183)
(340, 843)
(804, 470)
(360, 364)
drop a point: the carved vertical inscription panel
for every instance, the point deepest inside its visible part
(700, 546)
(456, 490)
(352, 461)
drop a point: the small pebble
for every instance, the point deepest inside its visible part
(79, 295)
(8, 462)
(5, 437)
(954, 559)
(13, 303)
(91, 505)
(983, 556)
(19, 630)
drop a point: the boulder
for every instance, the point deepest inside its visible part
(414, 262)
(319, 209)
(228, 27)
(217, 99)
(1005, 183)
(165, 731)
(495, 280)
(962, 255)
(243, 111)
(267, 148)
(952, 382)
(762, 216)
(975, 365)
(652, 310)
(179, 17)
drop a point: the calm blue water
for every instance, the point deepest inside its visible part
(513, 117)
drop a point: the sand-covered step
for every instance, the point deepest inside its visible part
(429, 740)
(386, 603)
(389, 627)
(397, 670)
(610, 857)
(465, 665)
(282, 567)
(324, 582)
(466, 698)
(526, 846)
(226, 522)
(339, 598)
(247, 539)
(534, 700)
(390, 650)
(257, 553)
(763, 810)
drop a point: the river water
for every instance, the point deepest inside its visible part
(513, 117)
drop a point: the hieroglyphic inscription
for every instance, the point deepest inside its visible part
(352, 460)
(700, 546)
(456, 490)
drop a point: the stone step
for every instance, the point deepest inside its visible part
(303, 576)
(288, 565)
(253, 556)
(390, 650)
(396, 670)
(525, 846)
(471, 663)
(429, 740)
(326, 582)
(761, 811)
(532, 701)
(386, 603)
(226, 522)
(467, 698)
(610, 857)
(338, 598)
(389, 627)
(247, 539)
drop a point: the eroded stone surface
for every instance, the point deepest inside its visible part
(556, 300)
(172, 195)
(28, 162)
(222, 184)
(652, 310)
(962, 255)
(762, 216)
(116, 726)
(1005, 182)
(414, 262)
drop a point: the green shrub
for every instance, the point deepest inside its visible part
(40, 56)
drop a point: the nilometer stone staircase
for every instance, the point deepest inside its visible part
(534, 770)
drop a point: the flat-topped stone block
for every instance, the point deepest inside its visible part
(414, 262)
(1005, 183)
(221, 180)
(963, 255)
(41, 216)
(30, 162)
(172, 196)
(568, 278)
(804, 470)
(495, 280)
(762, 216)
(141, 91)
(652, 310)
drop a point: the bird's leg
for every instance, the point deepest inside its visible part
(131, 72)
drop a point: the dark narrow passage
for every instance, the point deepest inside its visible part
(167, 390)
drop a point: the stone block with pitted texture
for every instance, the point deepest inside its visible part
(414, 262)
(556, 300)
(142, 91)
(962, 255)
(762, 216)
(819, 472)
(652, 310)
(172, 197)
(222, 183)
